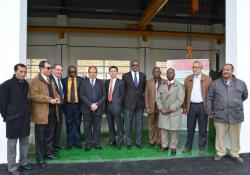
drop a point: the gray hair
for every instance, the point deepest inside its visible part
(198, 62)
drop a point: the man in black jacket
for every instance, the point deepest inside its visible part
(135, 83)
(14, 105)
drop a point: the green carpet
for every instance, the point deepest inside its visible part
(76, 155)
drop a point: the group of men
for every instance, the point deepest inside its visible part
(49, 96)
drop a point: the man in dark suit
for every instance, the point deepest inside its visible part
(71, 107)
(116, 91)
(135, 83)
(92, 96)
(56, 75)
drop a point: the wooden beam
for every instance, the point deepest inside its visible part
(60, 30)
(153, 8)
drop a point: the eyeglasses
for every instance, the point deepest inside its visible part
(135, 65)
(48, 68)
(72, 72)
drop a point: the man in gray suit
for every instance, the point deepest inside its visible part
(92, 97)
(225, 104)
(116, 92)
(135, 83)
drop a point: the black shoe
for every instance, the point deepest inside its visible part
(98, 147)
(151, 145)
(41, 164)
(138, 146)
(25, 167)
(185, 150)
(52, 157)
(129, 147)
(87, 148)
(117, 148)
(173, 151)
(16, 172)
(163, 149)
(112, 144)
(69, 147)
(79, 146)
(59, 147)
(238, 160)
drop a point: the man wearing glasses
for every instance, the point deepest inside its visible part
(44, 112)
(196, 89)
(71, 88)
(135, 82)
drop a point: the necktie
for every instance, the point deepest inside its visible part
(92, 83)
(60, 88)
(110, 91)
(169, 85)
(135, 80)
(72, 93)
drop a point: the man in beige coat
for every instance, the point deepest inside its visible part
(44, 112)
(170, 97)
(152, 86)
(196, 90)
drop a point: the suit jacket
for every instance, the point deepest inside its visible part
(150, 95)
(134, 97)
(39, 97)
(86, 96)
(188, 84)
(117, 95)
(65, 87)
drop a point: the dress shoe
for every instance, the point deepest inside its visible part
(25, 167)
(69, 147)
(98, 147)
(173, 151)
(129, 147)
(138, 146)
(79, 146)
(117, 148)
(16, 172)
(201, 152)
(151, 145)
(217, 157)
(238, 159)
(163, 149)
(52, 157)
(41, 164)
(185, 150)
(87, 148)
(112, 144)
(59, 147)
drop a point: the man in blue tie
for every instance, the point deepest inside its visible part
(56, 75)
(135, 82)
(92, 96)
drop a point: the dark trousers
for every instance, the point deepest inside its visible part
(58, 129)
(138, 125)
(114, 118)
(73, 124)
(44, 134)
(197, 112)
(92, 129)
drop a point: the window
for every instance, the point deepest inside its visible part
(32, 67)
(102, 67)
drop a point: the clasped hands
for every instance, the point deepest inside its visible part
(165, 111)
(93, 106)
(55, 101)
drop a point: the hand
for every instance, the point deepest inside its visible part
(210, 116)
(52, 101)
(148, 111)
(94, 107)
(168, 111)
(184, 111)
(163, 111)
(57, 100)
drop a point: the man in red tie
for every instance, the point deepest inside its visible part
(116, 91)
(170, 97)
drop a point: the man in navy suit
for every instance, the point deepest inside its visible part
(92, 96)
(71, 107)
(135, 82)
(115, 95)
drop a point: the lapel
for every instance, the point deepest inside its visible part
(115, 86)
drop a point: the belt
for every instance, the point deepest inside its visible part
(194, 103)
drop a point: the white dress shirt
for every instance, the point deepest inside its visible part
(196, 96)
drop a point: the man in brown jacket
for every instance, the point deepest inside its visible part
(44, 112)
(196, 89)
(154, 136)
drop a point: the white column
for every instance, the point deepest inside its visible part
(237, 53)
(13, 33)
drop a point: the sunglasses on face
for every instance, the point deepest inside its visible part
(72, 72)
